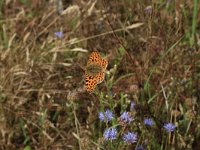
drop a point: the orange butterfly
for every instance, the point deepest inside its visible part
(95, 71)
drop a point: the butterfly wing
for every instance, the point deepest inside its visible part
(104, 64)
(94, 58)
(90, 83)
(92, 80)
(100, 77)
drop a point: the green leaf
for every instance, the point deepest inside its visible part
(27, 147)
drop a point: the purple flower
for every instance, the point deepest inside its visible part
(126, 118)
(169, 127)
(109, 115)
(59, 34)
(106, 116)
(132, 105)
(101, 116)
(148, 10)
(130, 137)
(148, 122)
(110, 134)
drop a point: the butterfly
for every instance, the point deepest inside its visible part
(95, 71)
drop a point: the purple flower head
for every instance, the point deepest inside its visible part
(169, 127)
(59, 34)
(130, 137)
(101, 116)
(126, 118)
(132, 105)
(106, 116)
(109, 115)
(110, 134)
(148, 122)
(148, 10)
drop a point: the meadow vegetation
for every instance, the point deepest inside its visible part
(149, 99)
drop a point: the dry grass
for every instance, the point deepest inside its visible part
(156, 63)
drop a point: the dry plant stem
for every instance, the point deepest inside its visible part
(178, 15)
(77, 126)
(69, 43)
(44, 132)
(52, 23)
(125, 29)
(173, 140)
(120, 42)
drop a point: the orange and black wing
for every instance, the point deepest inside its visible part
(90, 83)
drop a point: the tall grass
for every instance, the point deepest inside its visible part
(194, 23)
(149, 98)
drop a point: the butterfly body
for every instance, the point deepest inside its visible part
(95, 71)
